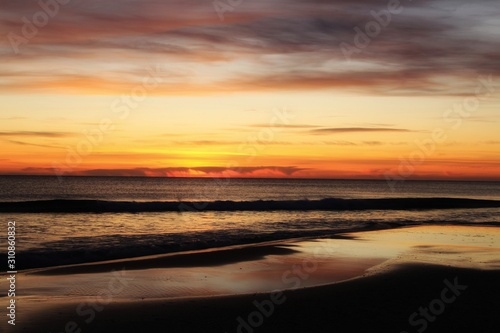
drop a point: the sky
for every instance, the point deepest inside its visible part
(251, 88)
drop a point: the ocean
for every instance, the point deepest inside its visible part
(84, 219)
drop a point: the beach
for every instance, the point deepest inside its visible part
(410, 279)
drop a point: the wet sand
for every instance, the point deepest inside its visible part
(379, 281)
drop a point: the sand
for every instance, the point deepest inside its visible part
(432, 279)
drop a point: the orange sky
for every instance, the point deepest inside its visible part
(265, 90)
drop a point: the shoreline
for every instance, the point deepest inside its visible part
(250, 251)
(366, 281)
(31, 256)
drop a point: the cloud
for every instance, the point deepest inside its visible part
(339, 143)
(13, 118)
(290, 126)
(206, 142)
(362, 143)
(340, 130)
(431, 48)
(373, 143)
(37, 134)
(207, 171)
(31, 144)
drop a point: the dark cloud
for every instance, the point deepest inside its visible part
(291, 44)
(177, 171)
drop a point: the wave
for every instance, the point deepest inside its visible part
(329, 204)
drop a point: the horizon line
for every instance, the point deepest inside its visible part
(257, 178)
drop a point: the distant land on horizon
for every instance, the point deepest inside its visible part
(414, 179)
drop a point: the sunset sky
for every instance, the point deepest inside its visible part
(274, 88)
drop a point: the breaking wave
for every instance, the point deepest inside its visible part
(329, 204)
